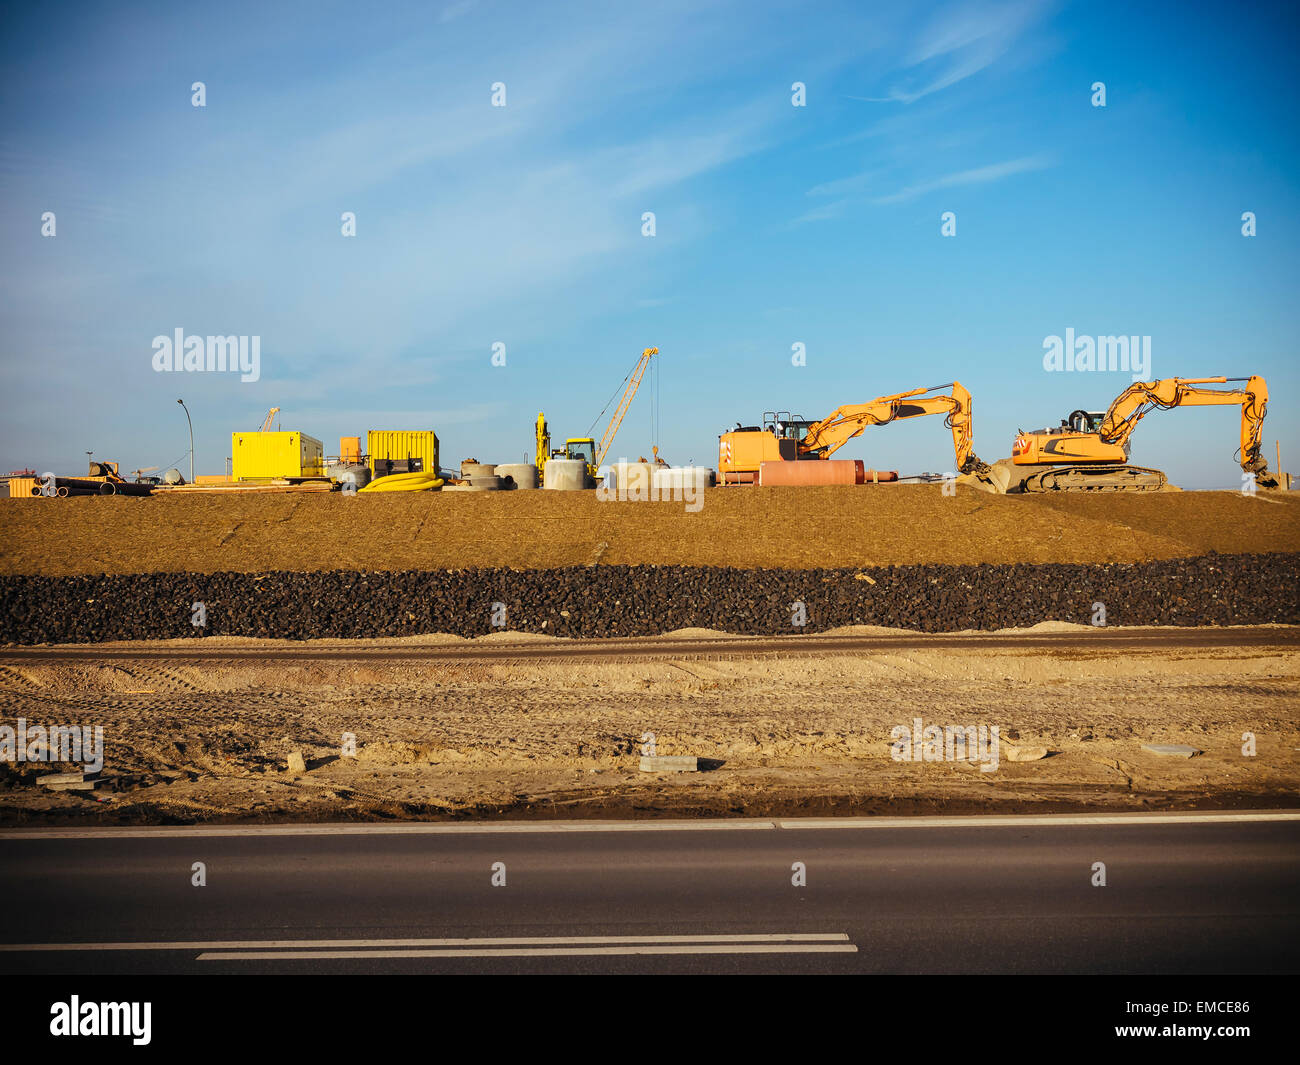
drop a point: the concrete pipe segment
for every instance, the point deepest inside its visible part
(632, 478)
(566, 475)
(517, 474)
(679, 478)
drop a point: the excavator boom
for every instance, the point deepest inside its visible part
(833, 432)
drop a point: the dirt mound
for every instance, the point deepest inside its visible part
(748, 528)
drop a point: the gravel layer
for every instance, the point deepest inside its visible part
(609, 601)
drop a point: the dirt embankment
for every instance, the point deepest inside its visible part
(561, 738)
(786, 528)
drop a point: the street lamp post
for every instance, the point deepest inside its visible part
(187, 418)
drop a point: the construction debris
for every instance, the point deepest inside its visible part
(669, 763)
(1170, 750)
(66, 782)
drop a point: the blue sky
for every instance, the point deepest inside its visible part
(521, 224)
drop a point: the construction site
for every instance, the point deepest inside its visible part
(509, 650)
(671, 489)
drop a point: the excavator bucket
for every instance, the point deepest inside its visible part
(995, 479)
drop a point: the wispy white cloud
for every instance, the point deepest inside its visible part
(454, 11)
(959, 42)
(822, 214)
(978, 176)
(840, 186)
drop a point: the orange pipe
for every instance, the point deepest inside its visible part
(812, 471)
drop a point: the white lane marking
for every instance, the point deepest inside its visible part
(1027, 820)
(536, 952)
(281, 944)
(728, 825)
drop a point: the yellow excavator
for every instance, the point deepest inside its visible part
(1089, 450)
(783, 437)
(585, 447)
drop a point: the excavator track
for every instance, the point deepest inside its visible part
(1096, 479)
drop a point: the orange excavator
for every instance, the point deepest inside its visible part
(1089, 451)
(741, 450)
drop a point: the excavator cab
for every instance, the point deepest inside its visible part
(785, 426)
(1085, 421)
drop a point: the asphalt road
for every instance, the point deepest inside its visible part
(1204, 894)
(660, 647)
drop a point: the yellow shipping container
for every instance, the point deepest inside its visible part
(21, 487)
(262, 456)
(394, 450)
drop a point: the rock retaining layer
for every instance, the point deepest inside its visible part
(609, 601)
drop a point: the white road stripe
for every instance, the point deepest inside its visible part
(535, 952)
(577, 827)
(1027, 820)
(491, 941)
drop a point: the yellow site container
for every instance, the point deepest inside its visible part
(349, 450)
(21, 487)
(262, 456)
(395, 450)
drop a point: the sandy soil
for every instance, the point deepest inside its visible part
(792, 528)
(562, 738)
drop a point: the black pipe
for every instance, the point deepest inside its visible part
(78, 482)
(124, 488)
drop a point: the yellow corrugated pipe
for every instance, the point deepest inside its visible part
(403, 482)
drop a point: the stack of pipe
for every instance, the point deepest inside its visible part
(80, 486)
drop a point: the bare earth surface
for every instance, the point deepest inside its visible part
(792, 528)
(561, 738)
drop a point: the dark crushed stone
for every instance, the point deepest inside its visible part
(609, 601)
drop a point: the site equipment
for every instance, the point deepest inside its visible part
(267, 456)
(390, 451)
(585, 447)
(270, 417)
(744, 449)
(1089, 450)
